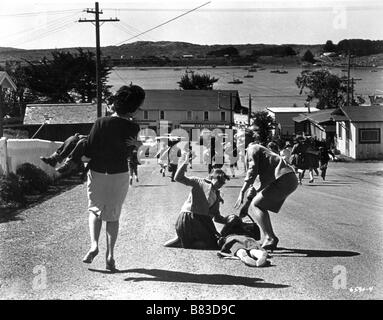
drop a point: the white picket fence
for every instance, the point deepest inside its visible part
(14, 152)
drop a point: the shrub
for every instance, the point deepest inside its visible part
(11, 190)
(33, 178)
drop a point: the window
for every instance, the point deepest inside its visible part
(369, 135)
(340, 130)
(223, 115)
(189, 115)
(146, 115)
(206, 115)
(162, 114)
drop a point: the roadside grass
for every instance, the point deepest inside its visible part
(10, 211)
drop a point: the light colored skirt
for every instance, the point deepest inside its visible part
(106, 194)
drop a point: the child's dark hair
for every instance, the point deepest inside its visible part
(219, 175)
(128, 99)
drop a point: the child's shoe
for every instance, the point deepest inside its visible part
(68, 167)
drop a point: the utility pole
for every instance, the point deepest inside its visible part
(348, 79)
(249, 111)
(231, 110)
(97, 21)
(1, 112)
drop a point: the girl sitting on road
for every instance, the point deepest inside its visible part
(194, 227)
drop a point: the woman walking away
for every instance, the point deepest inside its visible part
(277, 182)
(110, 143)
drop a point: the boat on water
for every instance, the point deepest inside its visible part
(279, 71)
(236, 81)
(252, 69)
(248, 76)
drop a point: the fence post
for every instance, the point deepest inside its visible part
(4, 155)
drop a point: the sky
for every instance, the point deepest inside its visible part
(29, 24)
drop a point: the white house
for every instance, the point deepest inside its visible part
(359, 131)
(283, 117)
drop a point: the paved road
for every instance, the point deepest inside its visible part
(331, 232)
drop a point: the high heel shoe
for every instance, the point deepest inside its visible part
(270, 245)
(110, 265)
(90, 256)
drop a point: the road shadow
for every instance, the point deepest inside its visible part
(149, 185)
(213, 279)
(309, 253)
(329, 185)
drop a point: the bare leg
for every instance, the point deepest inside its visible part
(175, 242)
(262, 218)
(95, 224)
(260, 256)
(245, 258)
(111, 238)
(300, 175)
(311, 176)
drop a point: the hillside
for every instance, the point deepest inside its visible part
(166, 53)
(142, 49)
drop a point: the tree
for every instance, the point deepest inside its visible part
(329, 46)
(231, 51)
(265, 124)
(328, 88)
(308, 56)
(65, 77)
(195, 81)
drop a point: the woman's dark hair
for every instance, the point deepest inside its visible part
(128, 99)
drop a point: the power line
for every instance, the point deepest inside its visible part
(25, 14)
(162, 24)
(29, 30)
(51, 28)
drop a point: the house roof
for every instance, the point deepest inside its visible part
(6, 81)
(290, 109)
(203, 100)
(360, 113)
(63, 113)
(318, 117)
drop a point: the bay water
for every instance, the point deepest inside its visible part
(265, 88)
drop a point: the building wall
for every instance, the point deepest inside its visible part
(15, 152)
(175, 117)
(317, 133)
(341, 137)
(355, 149)
(286, 122)
(370, 150)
